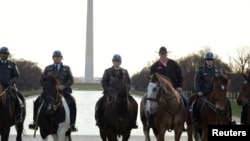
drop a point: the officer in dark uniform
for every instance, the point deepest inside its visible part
(105, 85)
(8, 75)
(66, 80)
(243, 118)
(170, 68)
(203, 81)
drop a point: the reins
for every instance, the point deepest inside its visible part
(4, 92)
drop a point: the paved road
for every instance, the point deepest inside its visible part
(94, 138)
(85, 121)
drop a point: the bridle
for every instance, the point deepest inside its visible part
(57, 101)
(4, 92)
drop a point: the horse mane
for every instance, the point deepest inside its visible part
(166, 84)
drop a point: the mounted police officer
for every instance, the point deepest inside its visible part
(8, 75)
(203, 81)
(116, 60)
(66, 80)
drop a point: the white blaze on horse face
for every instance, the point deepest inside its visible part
(151, 105)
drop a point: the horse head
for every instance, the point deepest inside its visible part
(159, 91)
(219, 93)
(118, 85)
(51, 95)
(244, 94)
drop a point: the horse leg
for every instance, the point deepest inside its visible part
(5, 134)
(45, 138)
(204, 136)
(19, 129)
(126, 136)
(177, 134)
(102, 134)
(55, 138)
(161, 135)
(146, 133)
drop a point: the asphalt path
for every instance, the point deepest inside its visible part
(87, 131)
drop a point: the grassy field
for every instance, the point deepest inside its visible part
(236, 110)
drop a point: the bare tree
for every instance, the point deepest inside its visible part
(241, 62)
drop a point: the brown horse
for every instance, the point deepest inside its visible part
(214, 109)
(53, 117)
(119, 112)
(7, 113)
(243, 100)
(163, 107)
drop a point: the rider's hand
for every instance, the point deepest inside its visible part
(200, 93)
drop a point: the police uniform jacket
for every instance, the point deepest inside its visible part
(64, 75)
(8, 72)
(203, 80)
(172, 70)
(107, 77)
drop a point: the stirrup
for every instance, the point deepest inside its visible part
(32, 126)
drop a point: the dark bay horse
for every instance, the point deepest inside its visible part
(119, 111)
(214, 109)
(7, 113)
(53, 114)
(243, 100)
(165, 108)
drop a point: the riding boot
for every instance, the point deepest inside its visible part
(195, 113)
(36, 103)
(134, 125)
(99, 110)
(18, 117)
(243, 117)
(73, 109)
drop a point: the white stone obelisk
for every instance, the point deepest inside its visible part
(89, 56)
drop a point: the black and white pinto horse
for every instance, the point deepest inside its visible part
(54, 113)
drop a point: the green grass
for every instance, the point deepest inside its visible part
(236, 109)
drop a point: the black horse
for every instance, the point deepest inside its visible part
(54, 113)
(7, 112)
(119, 112)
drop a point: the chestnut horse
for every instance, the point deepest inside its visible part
(165, 108)
(7, 113)
(214, 109)
(243, 99)
(119, 112)
(53, 115)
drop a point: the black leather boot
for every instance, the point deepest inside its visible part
(33, 125)
(72, 105)
(99, 110)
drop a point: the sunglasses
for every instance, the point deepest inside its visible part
(209, 59)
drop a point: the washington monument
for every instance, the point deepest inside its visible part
(89, 56)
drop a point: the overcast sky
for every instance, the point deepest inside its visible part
(135, 29)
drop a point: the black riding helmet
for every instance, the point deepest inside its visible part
(57, 53)
(4, 50)
(117, 57)
(209, 55)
